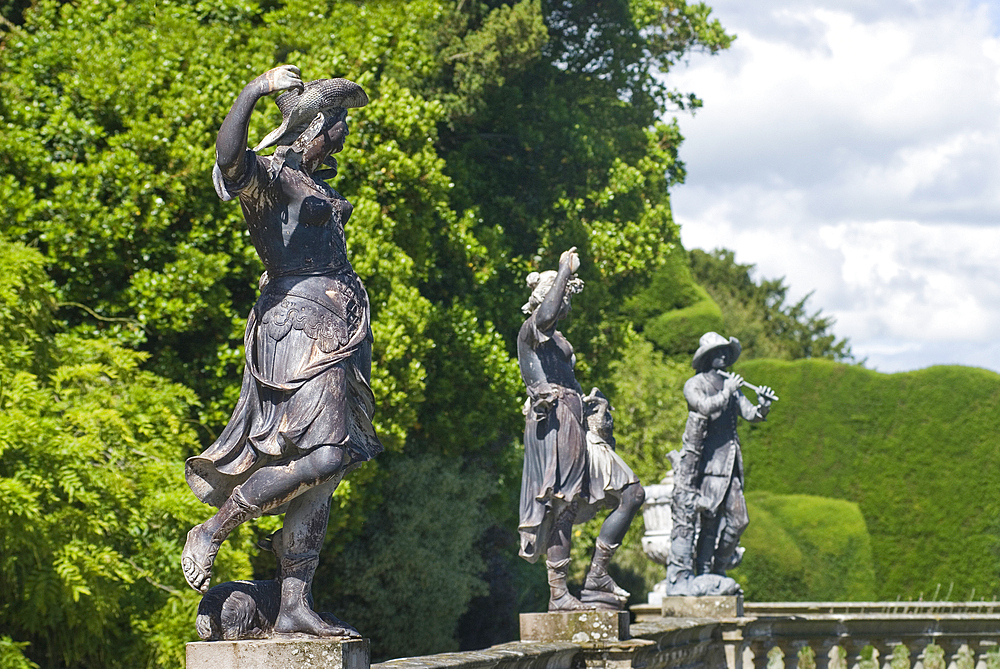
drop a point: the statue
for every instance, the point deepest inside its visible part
(304, 416)
(709, 511)
(571, 469)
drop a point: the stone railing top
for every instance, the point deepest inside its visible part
(513, 654)
(761, 609)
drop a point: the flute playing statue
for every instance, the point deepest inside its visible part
(303, 419)
(709, 510)
(570, 467)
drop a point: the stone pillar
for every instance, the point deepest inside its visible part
(291, 653)
(597, 626)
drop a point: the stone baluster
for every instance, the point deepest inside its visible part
(826, 650)
(776, 657)
(749, 656)
(933, 657)
(804, 655)
(901, 657)
(960, 654)
(988, 655)
(789, 652)
(838, 657)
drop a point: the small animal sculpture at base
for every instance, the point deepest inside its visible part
(248, 609)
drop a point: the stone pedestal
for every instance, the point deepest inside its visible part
(287, 653)
(703, 607)
(597, 626)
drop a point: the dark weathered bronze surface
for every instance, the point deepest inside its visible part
(570, 466)
(304, 416)
(708, 508)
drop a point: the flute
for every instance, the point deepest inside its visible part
(770, 396)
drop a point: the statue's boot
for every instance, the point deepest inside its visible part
(296, 615)
(728, 554)
(302, 538)
(203, 541)
(560, 598)
(599, 588)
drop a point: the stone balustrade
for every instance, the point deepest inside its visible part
(868, 635)
(807, 635)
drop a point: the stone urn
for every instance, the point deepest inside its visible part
(656, 515)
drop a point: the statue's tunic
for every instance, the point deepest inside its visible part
(307, 339)
(561, 465)
(721, 461)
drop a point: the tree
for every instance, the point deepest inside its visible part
(499, 134)
(91, 460)
(756, 312)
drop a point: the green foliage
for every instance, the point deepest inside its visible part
(91, 478)
(672, 311)
(916, 451)
(678, 331)
(429, 569)
(650, 412)
(755, 312)
(12, 655)
(805, 548)
(499, 134)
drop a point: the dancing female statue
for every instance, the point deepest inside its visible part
(303, 419)
(570, 467)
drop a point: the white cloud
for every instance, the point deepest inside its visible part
(854, 148)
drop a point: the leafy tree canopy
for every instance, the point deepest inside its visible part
(756, 312)
(499, 134)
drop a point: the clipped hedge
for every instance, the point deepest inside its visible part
(677, 332)
(673, 311)
(805, 548)
(919, 453)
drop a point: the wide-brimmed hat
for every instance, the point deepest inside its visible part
(711, 341)
(299, 109)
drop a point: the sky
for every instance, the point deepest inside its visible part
(853, 147)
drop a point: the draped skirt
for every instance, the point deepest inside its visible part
(306, 384)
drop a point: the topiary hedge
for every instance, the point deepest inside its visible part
(805, 548)
(918, 452)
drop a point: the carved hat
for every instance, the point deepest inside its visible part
(299, 109)
(711, 341)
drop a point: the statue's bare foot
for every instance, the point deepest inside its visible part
(198, 557)
(303, 620)
(567, 602)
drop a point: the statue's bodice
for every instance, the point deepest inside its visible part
(545, 357)
(296, 222)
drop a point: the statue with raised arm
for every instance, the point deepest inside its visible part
(304, 415)
(571, 469)
(709, 510)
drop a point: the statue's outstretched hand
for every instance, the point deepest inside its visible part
(765, 395)
(282, 78)
(572, 258)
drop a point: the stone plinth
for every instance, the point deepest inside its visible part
(596, 626)
(287, 653)
(703, 607)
